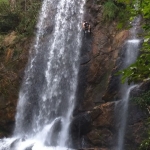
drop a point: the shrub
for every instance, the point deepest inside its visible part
(22, 18)
(109, 10)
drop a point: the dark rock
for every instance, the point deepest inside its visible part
(140, 89)
(13, 144)
(81, 124)
(100, 137)
(112, 92)
(107, 117)
(136, 114)
(48, 30)
(85, 59)
(135, 133)
(30, 147)
(54, 132)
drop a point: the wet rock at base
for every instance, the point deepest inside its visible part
(29, 148)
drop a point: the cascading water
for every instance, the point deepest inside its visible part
(131, 53)
(47, 95)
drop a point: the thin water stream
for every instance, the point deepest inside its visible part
(48, 92)
(131, 54)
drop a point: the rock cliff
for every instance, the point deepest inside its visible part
(98, 87)
(94, 125)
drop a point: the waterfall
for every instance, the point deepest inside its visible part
(131, 53)
(48, 92)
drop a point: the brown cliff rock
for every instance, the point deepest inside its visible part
(106, 44)
(107, 118)
(102, 86)
(103, 126)
(10, 39)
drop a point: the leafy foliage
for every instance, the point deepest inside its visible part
(28, 17)
(21, 18)
(143, 100)
(140, 70)
(110, 10)
(116, 10)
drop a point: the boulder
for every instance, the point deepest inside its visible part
(107, 117)
(100, 137)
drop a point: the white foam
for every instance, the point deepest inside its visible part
(134, 41)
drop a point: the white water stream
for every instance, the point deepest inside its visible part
(131, 53)
(48, 92)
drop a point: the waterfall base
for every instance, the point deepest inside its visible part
(29, 144)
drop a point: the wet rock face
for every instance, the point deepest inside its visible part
(99, 86)
(102, 128)
(135, 129)
(96, 127)
(103, 131)
(99, 54)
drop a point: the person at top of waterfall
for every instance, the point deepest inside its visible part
(86, 26)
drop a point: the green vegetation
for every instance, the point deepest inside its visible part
(17, 23)
(20, 16)
(3, 1)
(144, 102)
(140, 70)
(110, 10)
(115, 10)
